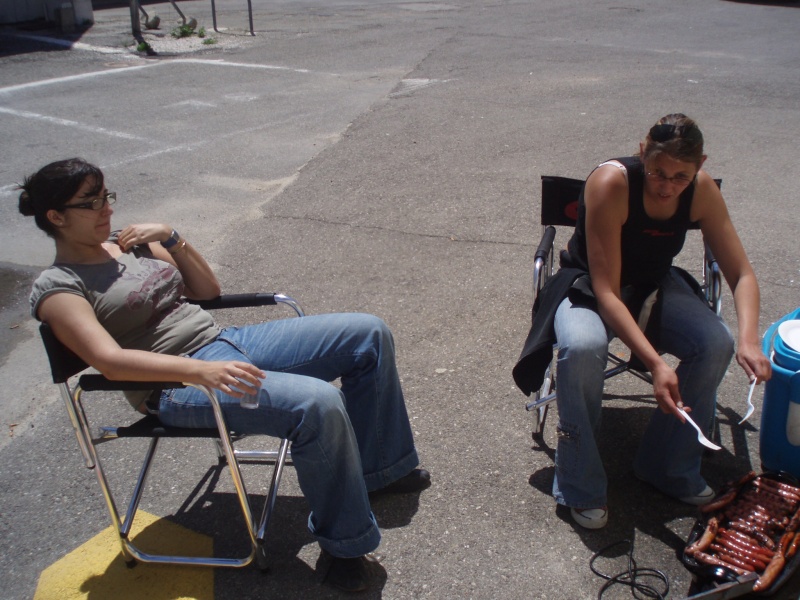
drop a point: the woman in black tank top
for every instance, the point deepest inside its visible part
(633, 217)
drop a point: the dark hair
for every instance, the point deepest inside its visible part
(52, 186)
(676, 135)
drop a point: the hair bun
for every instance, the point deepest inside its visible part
(25, 204)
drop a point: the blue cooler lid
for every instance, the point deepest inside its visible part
(787, 345)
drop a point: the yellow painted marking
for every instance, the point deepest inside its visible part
(96, 569)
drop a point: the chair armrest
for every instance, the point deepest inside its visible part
(543, 260)
(96, 383)
(248, 300)
(237, 301)
(545, 246)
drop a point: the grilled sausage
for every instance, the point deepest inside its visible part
(704, 541)
(792, 549)
(769, 575)
(775, 505)
(719, 502)
(727, 551)
(745, 479)
(747, 541)
(794, 524)
(753, 552)
(784, 489)
(718, 562)
(765, 540)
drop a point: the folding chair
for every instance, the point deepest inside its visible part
(64, 364)
(559, 208)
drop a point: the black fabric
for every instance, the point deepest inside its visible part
(537, 352)
(538, 349)
(576, 284)
(648, 245)
(150, 426)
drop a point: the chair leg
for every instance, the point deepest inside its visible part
(92, 460)
(233, 464)
(272, 494)
(539, 406)
(225, 451)
(123, 526)
(138, 489)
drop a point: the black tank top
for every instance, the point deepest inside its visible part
(648, 245)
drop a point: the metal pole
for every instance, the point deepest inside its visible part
(136, 26)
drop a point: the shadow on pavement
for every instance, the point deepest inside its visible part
(291, 573)
(787, 3)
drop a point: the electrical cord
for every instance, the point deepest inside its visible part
(632, 576)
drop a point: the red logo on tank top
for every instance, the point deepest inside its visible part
(571, 210)
(657, 233)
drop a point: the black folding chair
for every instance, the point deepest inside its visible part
(64, 364)
(559, 208)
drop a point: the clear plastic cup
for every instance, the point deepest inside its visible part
(251, 401)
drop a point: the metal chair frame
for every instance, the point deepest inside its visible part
(559, 207)
(64, 365)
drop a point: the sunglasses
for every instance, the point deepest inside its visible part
(96, 204)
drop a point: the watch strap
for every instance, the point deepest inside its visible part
(173, 239)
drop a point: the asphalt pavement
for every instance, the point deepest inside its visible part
(385, 157)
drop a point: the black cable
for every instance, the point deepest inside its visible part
(631, 576)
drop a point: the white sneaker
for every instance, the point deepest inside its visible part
(590, 518)
(704, 497)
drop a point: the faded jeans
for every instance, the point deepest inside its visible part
(344, 441)
(669, 455)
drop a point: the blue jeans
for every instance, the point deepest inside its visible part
(344, 441)
(669, 456)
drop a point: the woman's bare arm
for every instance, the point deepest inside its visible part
(710, 210)
(198, 277)
(74, 323)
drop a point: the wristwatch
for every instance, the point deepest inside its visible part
(174, 238)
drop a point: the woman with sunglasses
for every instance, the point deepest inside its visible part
(117, 300)
(633, 215)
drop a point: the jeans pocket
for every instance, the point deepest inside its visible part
(166, 396)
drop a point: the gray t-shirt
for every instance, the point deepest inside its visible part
(138, 300)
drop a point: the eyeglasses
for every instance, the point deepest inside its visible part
(676, 179)
(96, 204)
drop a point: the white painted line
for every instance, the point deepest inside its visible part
(75, 124)
(44, 82)
(408, 86)
(10, 190)
(223, 63)
(192, 103)
(146, 155)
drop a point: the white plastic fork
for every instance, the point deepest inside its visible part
(700, 436)
(750, 407)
